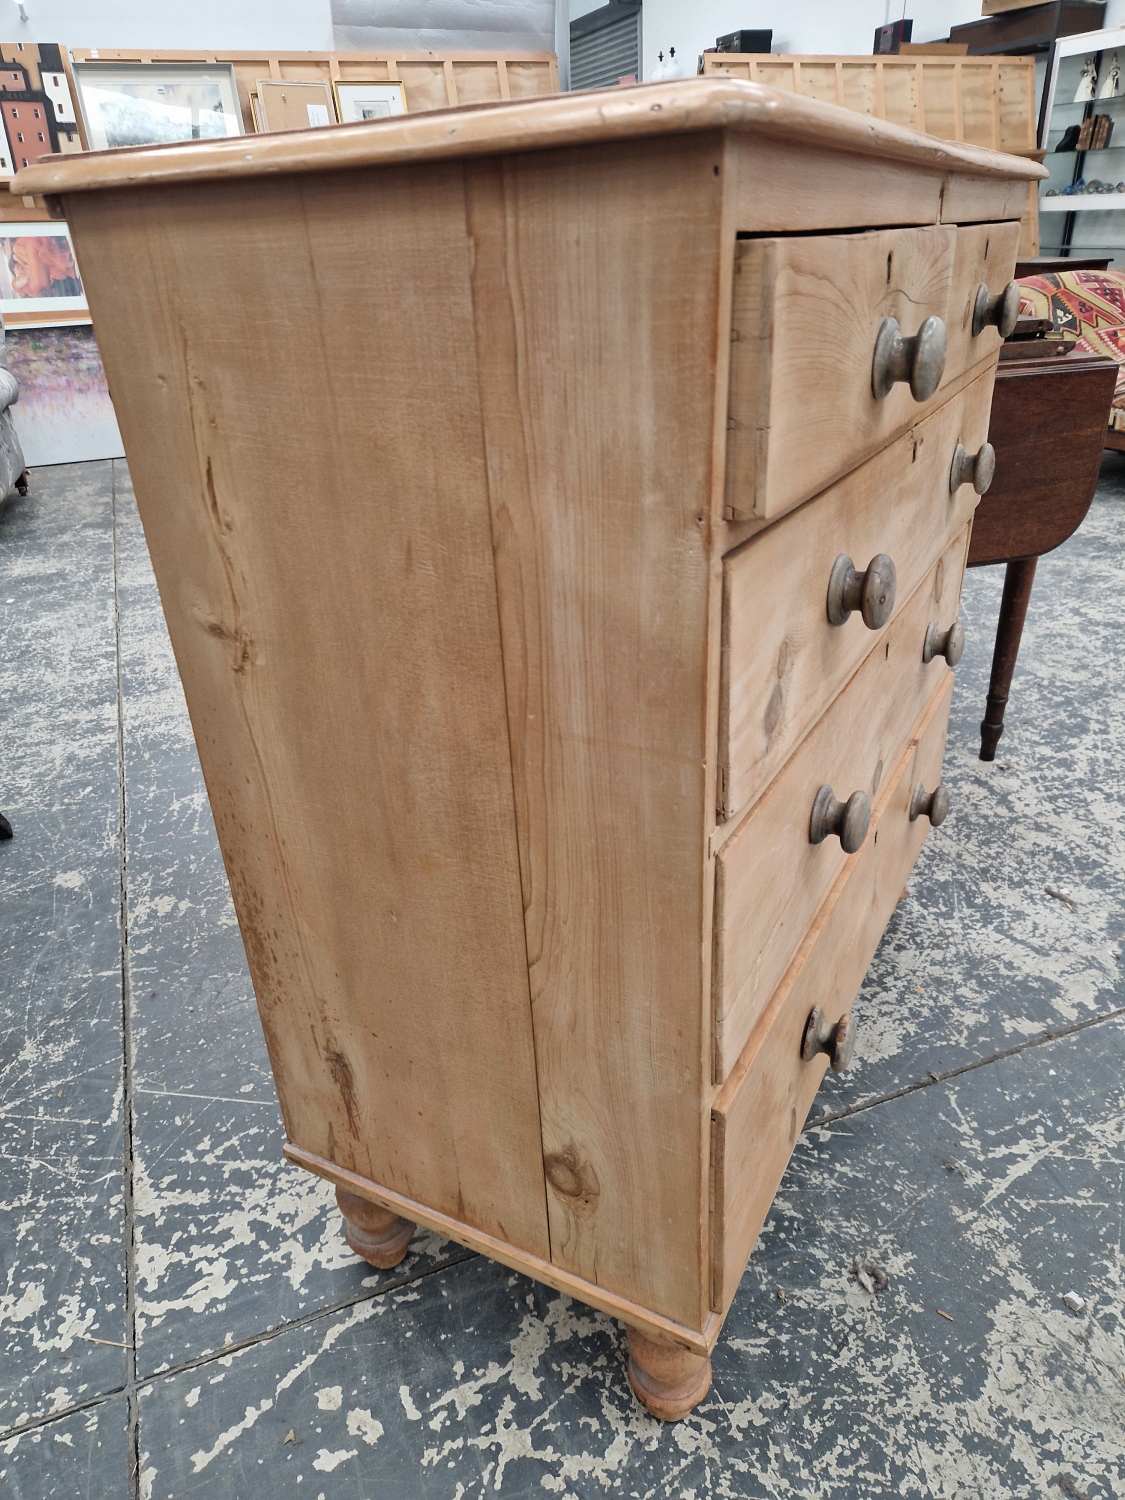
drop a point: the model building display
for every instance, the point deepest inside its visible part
(562, 548)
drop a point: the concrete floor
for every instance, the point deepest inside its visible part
(179, 1314)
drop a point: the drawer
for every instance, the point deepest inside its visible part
(782, 661)
(759, 1112)
(769, 879)
(806, 312)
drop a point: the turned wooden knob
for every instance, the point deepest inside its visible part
(849, 820)
(948, 643)
(872, 592)
(934, 804)
(999, 312)
(977, 469)
(376, 1234)
(666, 1379)
(837, 1038)
(919, 360)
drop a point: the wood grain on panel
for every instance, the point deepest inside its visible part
(763, 1105)
(635, 1314)
(305, 441)
(763, 906)
(806, 314)
(783, 662)
(595, 281)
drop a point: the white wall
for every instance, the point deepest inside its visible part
(289, 25)
(837, 26)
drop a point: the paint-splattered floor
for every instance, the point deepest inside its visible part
(179, 1314)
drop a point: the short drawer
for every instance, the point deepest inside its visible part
(806, 313)
(759, 1112)
(782, 660)
(769, 878)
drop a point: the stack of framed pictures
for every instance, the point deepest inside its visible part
(286, 104)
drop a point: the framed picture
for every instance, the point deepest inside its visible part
(39, 279)
(142, 104)
(374, 99)
(36, 105)
(285, 104)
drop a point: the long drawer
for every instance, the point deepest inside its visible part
(760, 1110)
(806, 313)
(782, 660)
(769, 878)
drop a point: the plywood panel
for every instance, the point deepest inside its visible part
(985, 101)
(595, 280)
(326, 572)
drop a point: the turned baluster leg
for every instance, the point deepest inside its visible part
(376, 1234)
(666, 1379)
(1013, 611)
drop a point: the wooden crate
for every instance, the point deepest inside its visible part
(983, 101)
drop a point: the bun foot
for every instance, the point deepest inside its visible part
(666, 1379)
(376, 1234)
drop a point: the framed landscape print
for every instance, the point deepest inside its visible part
(374, 100)
(39, 279)
(143, 104)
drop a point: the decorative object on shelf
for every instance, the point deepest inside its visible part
(1069, 141)
(1103, 130)
(368, 99)
(664, 71)
(1088, 82)
(1086, 133)
(1111, 84)
(889, 38)
(760, 40)
(39, 279)
(145, 104)
(289, 104)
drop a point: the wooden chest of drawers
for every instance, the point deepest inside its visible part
(501, 469)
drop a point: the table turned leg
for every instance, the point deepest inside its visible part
(666, 1379)
(377, 1234)
(1013, 611)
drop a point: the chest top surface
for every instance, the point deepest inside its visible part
(649, 112)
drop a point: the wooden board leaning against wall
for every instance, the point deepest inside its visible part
(431, 80)
(983, 101)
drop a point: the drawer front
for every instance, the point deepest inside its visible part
(759, 1113)
(769, 879)
(782, 661)
(805, 315)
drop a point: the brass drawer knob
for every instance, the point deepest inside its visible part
(934, 804)
(822, 1035)
(849, 820)
(919, 360)
(979, 471)
(999, 312)
(872, 592)
(948, 643)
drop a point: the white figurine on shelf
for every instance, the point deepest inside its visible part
(1112, 85)
(1088, 82)
(665, 70)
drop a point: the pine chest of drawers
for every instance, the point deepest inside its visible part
(559, 510)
